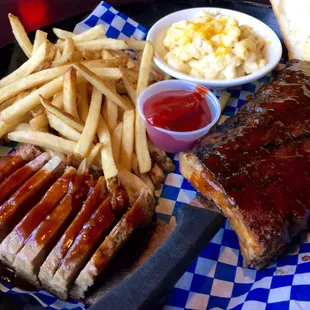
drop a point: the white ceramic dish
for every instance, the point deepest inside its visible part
(158, 32)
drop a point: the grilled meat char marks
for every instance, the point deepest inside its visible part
(257, 169)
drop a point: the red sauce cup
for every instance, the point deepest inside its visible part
(174, 141)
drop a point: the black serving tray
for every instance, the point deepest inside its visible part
(145, 287)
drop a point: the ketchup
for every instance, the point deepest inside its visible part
(178, 110)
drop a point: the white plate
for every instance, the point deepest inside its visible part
(158, 32)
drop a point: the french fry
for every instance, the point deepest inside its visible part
(147, 180)
(67, 118)
(144, 177)
(135, 167)
(117, 142)
(90, 34)
(108, 164)
(135, 44)
(105, 54)
(23, 95)
(100, 44)
(50, 55)
(58, 100)
(45, 140)
(83, 106)
(63, 34)
(103, 72)
(83, 167)
(90, 128)
(107, 73)
(37, 111)
(68, 51)
(60, 62)
(5, 128)
(39, 39)
(91, 55)
(132, 76)
(68, 46)
(130, 62)
(145, 67)
(87, 35)
(63, 128)
(67, 55)
(77, 56)
(31, 81)
(21, 107)
(127, 99)
(23, 127)
(27, 67)
(224, 98)
(156, 174)
(20, 35)
(94, 153)
(7, 103)
(132, 182)
(127, 139)
(69, 92)
(142, 151)
(110, 109)
(161, 158)
(129, 86)
(39, 122)
(120, 87)
(109, 62)
(97, 82)
(101, 36)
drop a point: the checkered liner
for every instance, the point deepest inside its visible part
(216, 279)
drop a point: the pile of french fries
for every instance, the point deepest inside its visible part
(78, 97)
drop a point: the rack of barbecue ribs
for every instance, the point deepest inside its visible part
(257, 168)
(57, 223)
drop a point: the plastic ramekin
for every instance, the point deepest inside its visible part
(174, 141)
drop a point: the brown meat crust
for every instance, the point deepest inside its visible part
(256, 169)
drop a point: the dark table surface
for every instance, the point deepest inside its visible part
(35, 14)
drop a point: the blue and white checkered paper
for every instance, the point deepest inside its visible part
(216, 279)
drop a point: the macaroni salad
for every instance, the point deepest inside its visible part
(214, 47)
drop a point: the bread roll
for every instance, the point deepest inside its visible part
(294, 19)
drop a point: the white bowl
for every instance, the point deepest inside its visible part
(273, 48)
